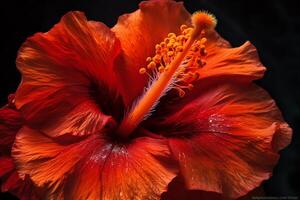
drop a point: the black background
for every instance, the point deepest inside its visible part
(273, 26)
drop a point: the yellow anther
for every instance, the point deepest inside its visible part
(203, 40)
(187, 31)
(170, 45)
(179, 38)
(163, 44)
(170, 53)
(156, 59)
(151, 65)
(157, 47)
(161, 69)
(179, 48)
(142, 70)
(171, 35)
(183, 27)
(148, 59)
(167, 40)
(187, 36)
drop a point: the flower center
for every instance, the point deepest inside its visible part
(175, 65)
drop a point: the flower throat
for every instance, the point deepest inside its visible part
(175, 65)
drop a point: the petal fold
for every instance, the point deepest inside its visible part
(10, 122)
(239, 63)
(224, 139)
(62, 70)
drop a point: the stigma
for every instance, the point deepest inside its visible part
(176, 64)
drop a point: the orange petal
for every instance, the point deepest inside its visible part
(94, 167)
(139, 32)
(227, 164)
(240, 63)
(60, 71)
(223, 138)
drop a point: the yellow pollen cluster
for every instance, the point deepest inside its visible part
(166, 51)
(176, 64)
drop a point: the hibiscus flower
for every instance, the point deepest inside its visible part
(119, 113)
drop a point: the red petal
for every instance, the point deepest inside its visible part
(10, 122)
(59, 70)
(12, 182)
(225, 142)
(6, 165)
(139, 32)
(21, 188)
(94, 167)
(177, 191)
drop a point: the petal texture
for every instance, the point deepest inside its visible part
(10, 122)
(139, 32)
(11, 182)
(61, 70)
(95, 168)
(223, 139)
(177, 191)
(239, 63)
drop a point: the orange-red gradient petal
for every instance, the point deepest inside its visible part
(61, 70)
(227, 146)
(139, 32)
(239, 63)
(95, 168)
